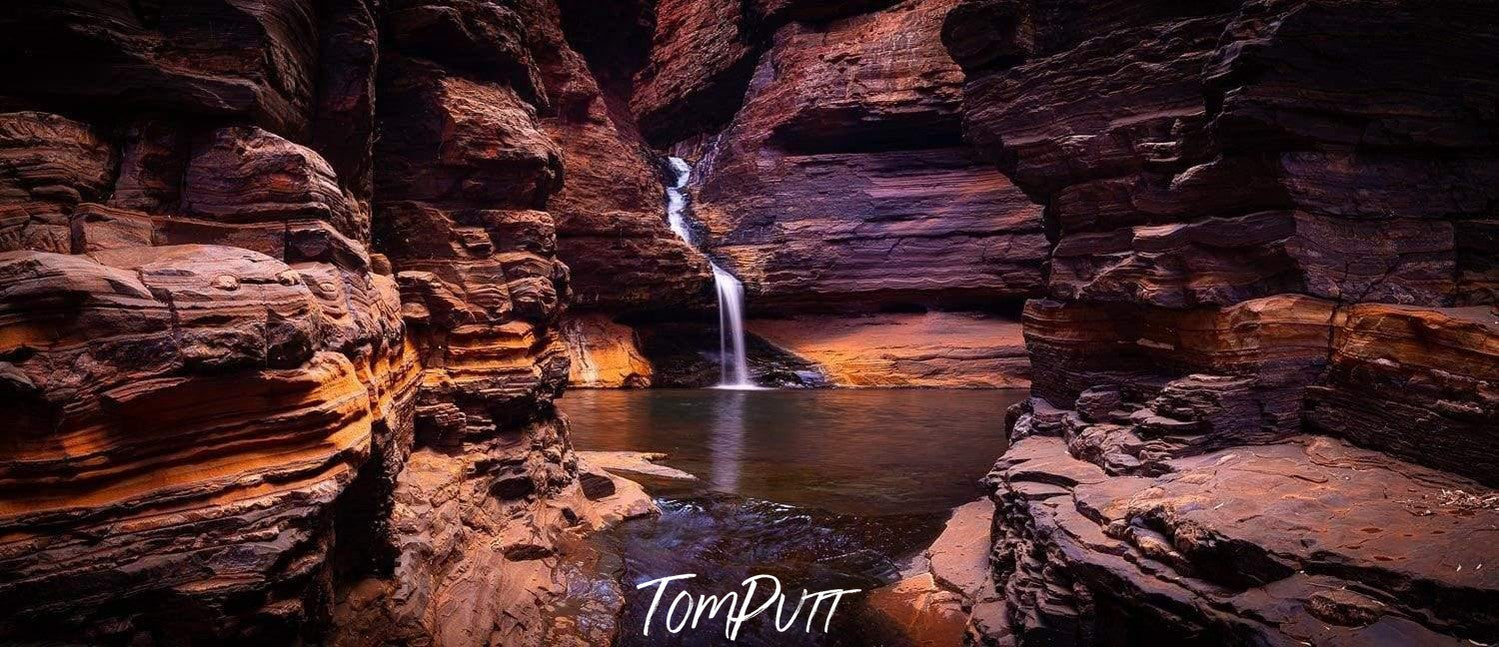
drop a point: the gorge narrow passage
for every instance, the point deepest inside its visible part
(375, 323)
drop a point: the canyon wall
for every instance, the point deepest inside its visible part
(284, 290)
(279, 290)
(843, 177)
(1263, 404)
(610, 223)
(830, 176)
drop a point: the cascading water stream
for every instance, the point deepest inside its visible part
(733, 369)
(731, 329)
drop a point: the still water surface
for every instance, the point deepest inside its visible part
(824, 489)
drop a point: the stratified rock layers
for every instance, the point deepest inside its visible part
(611, 225)
(842, 179)
(1259, 213)
(1307, 541)
(935, 350)
(829, 172)
(188, 416)
(231, 421)
(604, 354)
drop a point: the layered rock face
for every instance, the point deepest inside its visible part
(843, 177)
(611, 226)
(700, 58)
(604, 354)
(610, 223)
(189, 415)
(271, 377)
(1267, 218)
(932, 350)
(829, 173)
(1309, 541)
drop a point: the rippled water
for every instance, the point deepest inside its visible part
(824, 489)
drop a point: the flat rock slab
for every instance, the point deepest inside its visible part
(935, 349)
(617, 501)
(960, 556)
(635, 463)
(922, 611)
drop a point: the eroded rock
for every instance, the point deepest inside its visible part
(1246, 249)
(843, 178)
(1231, 528)
(935, 349)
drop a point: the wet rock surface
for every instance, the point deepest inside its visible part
(281, 285)
(604, 354)
(611, 228)
(690, 355)
(828, 175)
(951, 585)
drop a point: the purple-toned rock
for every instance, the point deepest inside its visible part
(843, 180)
(48, 164)
(224, 60)
(1263, 211)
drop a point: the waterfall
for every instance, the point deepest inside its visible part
(730, 329)
(676, 200)
(733, 371)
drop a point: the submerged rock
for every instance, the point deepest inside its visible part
(635, 463)
(936, 604)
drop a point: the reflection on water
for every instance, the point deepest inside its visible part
(726, 441)
(823, 489)
(848, 451)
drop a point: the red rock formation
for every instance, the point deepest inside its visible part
(486, 40)
(253, 60)
(1311, 541)
(52, 163)
(702, 54)
(247, 176)
(842, 178)
(343, 124)
(700, 59)
(935, 349)
(604, 354)
(831, 183)
(932, 607)
(778, 11)
(611, 224)
(1258, 212)
(829, 169)
(1415, 382)
(189, 415)
(231, 419)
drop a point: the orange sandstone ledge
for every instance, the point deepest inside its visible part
(935, 349)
